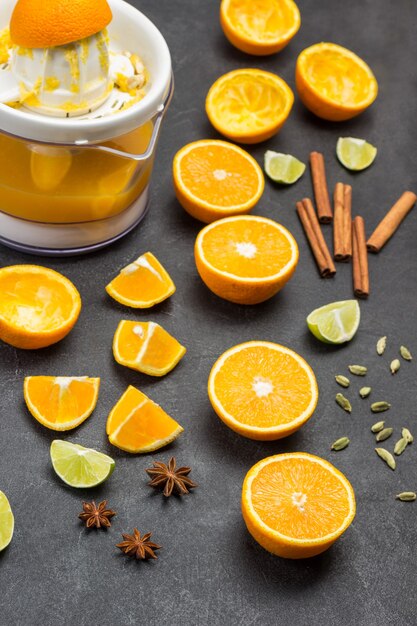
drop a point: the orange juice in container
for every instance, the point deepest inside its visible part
(84, 86)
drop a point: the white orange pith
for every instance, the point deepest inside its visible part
(61, 402)
(262, 390)
(146, 347)
(137, 424)
(296, 505)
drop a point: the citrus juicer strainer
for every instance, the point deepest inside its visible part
(83, 181)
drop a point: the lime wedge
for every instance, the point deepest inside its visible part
(283, 168)
(6, 522)
(336, 322)
(78, 466)
(355, 154)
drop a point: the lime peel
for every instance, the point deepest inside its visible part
(78, 466)
(283, 168)
(355, 154)
(335, 323)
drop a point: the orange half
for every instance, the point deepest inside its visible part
(141, 284)
(262, 390)
(296, 505)
(61, 402)
(137, 424)
(261, 27)
(249, 105)
(333, 82)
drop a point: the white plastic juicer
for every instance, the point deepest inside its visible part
(76, 181)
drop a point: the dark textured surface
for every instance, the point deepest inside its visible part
(210, 571)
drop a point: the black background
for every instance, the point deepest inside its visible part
(210, 571)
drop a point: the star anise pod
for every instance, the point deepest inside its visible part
(139, 547)
(170, 477)
(97, 516)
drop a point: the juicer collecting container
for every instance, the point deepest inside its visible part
(71, 184)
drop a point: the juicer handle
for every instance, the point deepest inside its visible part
(154, 138)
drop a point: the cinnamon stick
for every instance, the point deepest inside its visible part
(342, 222)
(321, 192)
(312, 229)
(389, 224)
(360, 271)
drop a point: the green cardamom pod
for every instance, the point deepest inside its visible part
(342, 380)
(406, 496)
(378, 407)
(376, 428)
(400, 446)
(358, 370)
(395, 366)
(407, 435)
(405, 353)
(381, 344)
(340, 444)
(343, 402)
(364, 392)
(387, 457)
(384, 434)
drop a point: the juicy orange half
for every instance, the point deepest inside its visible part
(61, 402)
(141, 284)
(38, 306)
(261, 27)
(137, 424)
(333, 82)
(262, 390)
(50, 23)
(296, 505)
(146, 347)
(245, 259)
(249, 105)
(215, 179)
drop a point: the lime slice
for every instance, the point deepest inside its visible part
(355, 154)
(336, 322)
(6, 522)
(283, 168)
(78, 466)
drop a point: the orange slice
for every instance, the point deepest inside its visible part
(262, 390)
(57, 22)
(38, 306)
(261, 27)
(146, 347)
(333, 82)
(214, 179)
(61, 402)
(137, 424)
(245, 259)
(249, 105)
(141, 284)
(296, 505)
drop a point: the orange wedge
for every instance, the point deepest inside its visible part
(137, 424)
(215, 179)
(245, 259)
(61, 402)
(146, 347)
(38, 306)
(141, 284)
(296, 505)
(249, 105)
(261, 27)
(57, 22)
(333, 82)
(262, 390)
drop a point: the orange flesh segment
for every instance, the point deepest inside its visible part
(262, 387)
(129, 401)
(61, 399)
(247, 249)
(219, 176)
(263, 20)
(300, 498)
(144, 280)
(34, 302)
(160, 348)
(337, 77)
